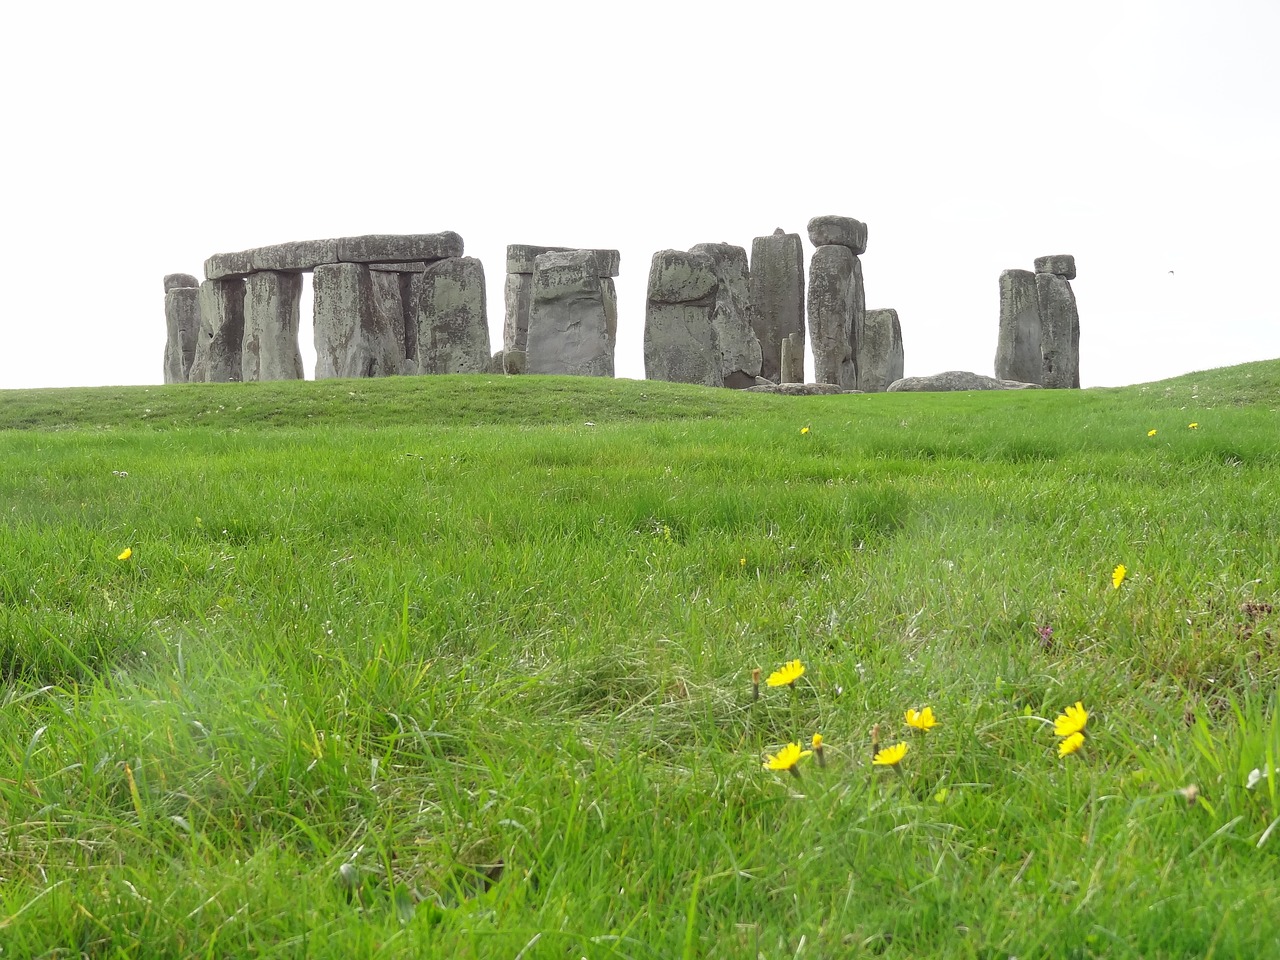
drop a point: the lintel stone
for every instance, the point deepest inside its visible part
(390, 248)
(1060, 264)
(840, 232)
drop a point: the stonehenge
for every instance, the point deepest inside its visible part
(1039, 335)
(571, 326)
(739, 347)
(182, 325)
(777, 297)
(453, 317)
(881, 357)
(680, 342)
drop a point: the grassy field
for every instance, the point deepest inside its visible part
(462, 667)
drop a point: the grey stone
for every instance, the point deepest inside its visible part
(352, 338)
(521, 256)
(497, 363)
(777, 296)
(956, 380)
(270, 348)
(513, 362)
(831, 311)
(182, 324)
(222, 266)
(792, 360)
(839, 231)
(679, 277)
(609, 297)
(410, 288)
(739, 348)
(800, 389)
(221, 337)
(1059, 264)
(1018, 347)
(881, 357)
(680, 342)
(388, 304)
(570, 329)
(300, 255)
(411, 266)
(392, 248)
(517, 298)
(453, 317)
(1059, 332)
(180, 281)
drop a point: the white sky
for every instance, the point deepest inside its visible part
(1142, 137)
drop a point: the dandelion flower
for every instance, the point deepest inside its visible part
(1071, 744)
(921, 720)
(817, 750)
(787, 674)
(787, 758)
(742, 561)
(1118, 575)
(1193, 426)
(890, 756)
(125, 554)
(1071, 721)
(804, 430)
(1151, 433)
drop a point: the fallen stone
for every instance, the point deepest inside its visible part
(182, 326)
(831, 311)
(800, 389)
(352, 338)
(1059, 332)
(220, 341)
(453, 317)
(569, 330)
(1018, 347)
(680, 343)
(739, 347)
(300, 255)
(839, 231)
(1060, 264)
(956, 380)
(270, 347)
(777, 296)
(392, 248)
(180, 281)
(521, 257)
(881, 357)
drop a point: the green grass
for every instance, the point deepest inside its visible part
(461, 667)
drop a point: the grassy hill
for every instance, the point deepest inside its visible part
(462, 666)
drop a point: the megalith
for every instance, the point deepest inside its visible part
(220, 341)
(881, 358)
(353, 339)
(182, 326)
(680, 342)
(518, 291)
(270, 348)
(573, 315)
(1059, 332)
(739, 345)
(1060, 264)
(777, 296)
(831, 315)
(453, 317)
(1018, 354)
(389, 304)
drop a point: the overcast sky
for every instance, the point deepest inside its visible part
(1141, 137)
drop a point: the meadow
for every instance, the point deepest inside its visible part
(463, 667)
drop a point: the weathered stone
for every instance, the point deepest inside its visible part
(679, 277)
(388, 304)
(739, 348)
(881, 357)
(800, 389)
(410, 289)
(777, 296)
(1018, 347)
(517, 298)
(222, 266)
(792, 359)
(391, 248)
(270, 348)
(219, 342)
(570, 328)
(411, 266)
(956, 380)
(609, 297)
(839, 231)
(1059, 332)
(352, 338)
(1060, 264)
(513, 362)
(453, 317)
(680, 343)
(182, 323)
(300, 255)
(180, 281)
(521, 256)
(496, 363)
(831, 315)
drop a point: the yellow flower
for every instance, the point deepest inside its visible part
(1071, 721)
(788, 673)
(804, 429)
(1071, 744)
(890, 756)
(125, 554)
(923, 720)
(1118, 575)
(786, 758)
(1193, 426)
(1151, 433)
(742, 561)
(817, 741)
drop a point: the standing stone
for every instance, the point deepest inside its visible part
(352, 338)
(680, 343)
(220, 341)
(517, 301)
(1018, 355)
(777, 296)
(1059, 332)
(270, 350)
(180, 281)
(572, 326)
(881, 359)
(388, 304)
(518, 291)
(739, 346)
(182, 325)
(792, 360)
(453, 317)
(409, 290)
(831, 315)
